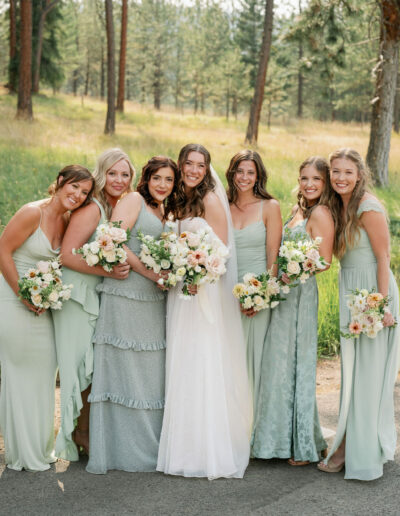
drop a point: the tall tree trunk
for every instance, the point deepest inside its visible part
(87, 78)
(396, 109)
(122, 57)
(12, 75)
(38, 57)
(157, 83)
(24, 110)
(102, 74)
(385, 89)
(110, 119)
(300, 78)
(256, 104)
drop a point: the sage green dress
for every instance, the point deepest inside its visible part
(74, 327)
(287, 423)
(369, 369)
(250, 244)
(28, 369)
(127, 398)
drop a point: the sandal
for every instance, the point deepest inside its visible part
(330, 467)
(293, 462)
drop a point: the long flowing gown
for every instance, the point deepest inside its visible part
(74, 327)
(127, 397)
(369, 369)
(28, 369)
(287, 423)
(208, 410)
(250, 244)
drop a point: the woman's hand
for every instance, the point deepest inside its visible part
(35, 309)
(120, 271)
(285, 278)
(192, 289)
(388, 319)
(248, 312)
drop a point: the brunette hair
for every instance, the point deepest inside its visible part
(72, 174)
(152, 166)
(193, 203)
(259, 189)
(105, 161)
(347, 225)
(322, 166)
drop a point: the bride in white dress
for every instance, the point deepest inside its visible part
(208, 410)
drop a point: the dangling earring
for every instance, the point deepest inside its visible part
(255, 188)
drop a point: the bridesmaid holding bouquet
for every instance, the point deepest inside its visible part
(366, 432)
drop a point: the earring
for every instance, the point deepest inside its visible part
(255, 188)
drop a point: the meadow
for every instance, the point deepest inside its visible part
(69, 130)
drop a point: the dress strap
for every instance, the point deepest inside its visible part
(102, 212)
(261, 208)
(370, 205)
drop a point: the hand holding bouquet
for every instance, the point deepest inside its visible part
(298, 260)
(107, 247)
(42, 286)
(258, 292)
(367, 311)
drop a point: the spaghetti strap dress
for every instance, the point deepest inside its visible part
(74, 327)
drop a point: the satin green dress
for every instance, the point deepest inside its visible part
(250, 244)
(287, 423)
(369, 369)
(28, 369)
(74, 327)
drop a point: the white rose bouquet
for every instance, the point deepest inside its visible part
(107, 247)
(42, 286)
(298, 260)
(159, 254)
(258, 292)
(367, 310)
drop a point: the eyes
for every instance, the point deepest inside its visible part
(156, 177)
(315, 178)
(113, 173)
(241, 172)
(200, 165)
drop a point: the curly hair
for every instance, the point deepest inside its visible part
(73, 174)
(152, 166)
(259, 189)
(192, 204)
(322, 166)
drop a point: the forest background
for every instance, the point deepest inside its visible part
(190, 73)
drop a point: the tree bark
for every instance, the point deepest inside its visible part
(122, 57)
(102, 74)
(256, 104)
(38, 57)
(24, 109)
(300, 78)
(12, 76)
(385, 89)
(396, 109)
(110, 118)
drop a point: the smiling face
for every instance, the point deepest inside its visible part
(161, 184)
(73, 195)
(118, 179)
(194, 169)
(344, 176)
(245, 176)
(311, 184)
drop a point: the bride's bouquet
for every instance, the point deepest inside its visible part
(42, 286)
(258, 292)
(158, 255)
(107, 247)
(367, 310)
(299, 259)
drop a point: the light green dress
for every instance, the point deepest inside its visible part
(127, 398)
(28, 369)
(251, 257)
(369, 370)
(287, 423)
(74, 327)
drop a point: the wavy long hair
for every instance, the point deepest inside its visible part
(260, 187)
(322, 166)
(152, 166)
(73, 174)
(105, 161)
(192, 204)
(347, 225)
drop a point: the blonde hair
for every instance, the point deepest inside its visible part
(347, 225)
(105, 161)
(321, 165)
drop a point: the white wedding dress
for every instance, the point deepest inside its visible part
(208, 409)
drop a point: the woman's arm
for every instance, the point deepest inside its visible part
(321, 225)
(215, 216)
(83, 223)
(273, 224)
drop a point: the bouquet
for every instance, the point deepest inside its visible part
(258, 292)
(158, 254)
(106, 249)
(299, 259)
(367, 310)
(42, 286)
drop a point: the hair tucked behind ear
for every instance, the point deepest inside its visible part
(73, 174)
(322, 166)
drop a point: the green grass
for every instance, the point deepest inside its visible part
(69, 130)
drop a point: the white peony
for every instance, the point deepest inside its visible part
(53, 297)
(248, 303)
(165, 264)
(92, 259)
(293, 268)
(110, 256)
(94, 247)
(48, 278)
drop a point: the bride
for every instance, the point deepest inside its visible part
(208, 411)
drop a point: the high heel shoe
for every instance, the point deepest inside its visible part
(83, 448)
(330, 467)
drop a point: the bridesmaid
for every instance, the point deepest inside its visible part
(74, 327)
(287, 424)
(253, 210)
(127, 397)
(366, 433)
(27, 350)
